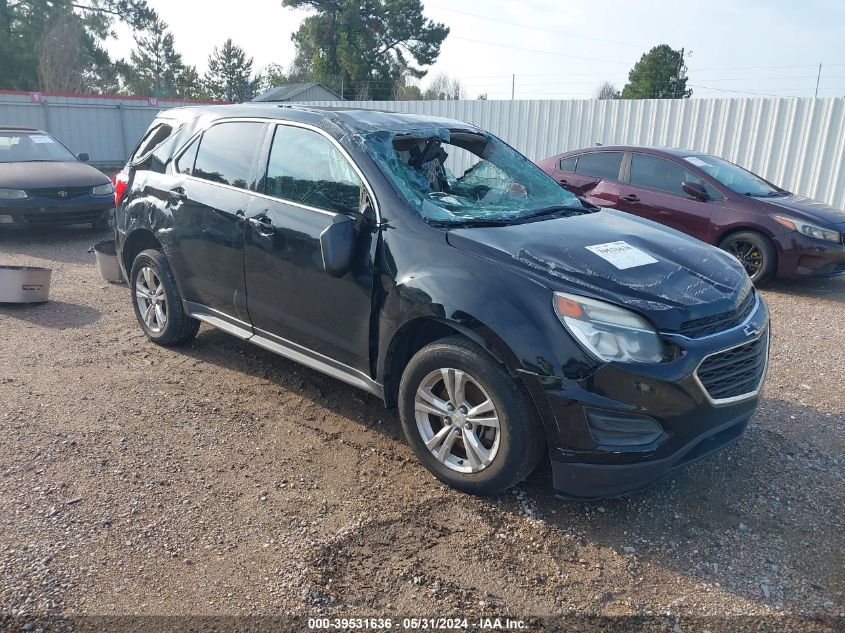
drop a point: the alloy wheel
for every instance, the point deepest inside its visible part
(151, 300)
(748, 254)
(457, 420)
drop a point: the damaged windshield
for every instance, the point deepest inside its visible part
(468, 178)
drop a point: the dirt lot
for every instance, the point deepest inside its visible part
(219, 479)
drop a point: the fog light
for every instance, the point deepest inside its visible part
(6, 219)
(623, 431)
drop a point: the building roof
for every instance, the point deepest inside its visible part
(289, 91)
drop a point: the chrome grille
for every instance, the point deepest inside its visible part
(719, 322)
(735, 373)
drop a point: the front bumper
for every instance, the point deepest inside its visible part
(688, 419)
(803, 256)
(35, 212)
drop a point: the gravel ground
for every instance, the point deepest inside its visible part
(220, 480)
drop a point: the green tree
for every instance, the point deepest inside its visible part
(363, 48)
(36, 31)
(229, 74)
(155, 68)
(189, 84)
(660, 74)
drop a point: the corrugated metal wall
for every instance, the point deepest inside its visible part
(796, 143)
(106, 128)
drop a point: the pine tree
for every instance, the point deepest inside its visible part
(155, 67)
(229, 74)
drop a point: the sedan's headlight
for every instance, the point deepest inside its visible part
(808, 229)
(608, 332)
(13, 194)
(103, 190)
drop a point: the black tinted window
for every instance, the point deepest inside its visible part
(226, 153)
(604, 165)
(185, 162)
(307, 168)
(658, 173)
(152, 139)
(568, 164)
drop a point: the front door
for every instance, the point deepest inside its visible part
(654, 191)
(293, 302)
(209, 199)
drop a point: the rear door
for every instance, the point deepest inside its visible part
(595, 177)
(654, 190)
(209, 199)
(296, 307)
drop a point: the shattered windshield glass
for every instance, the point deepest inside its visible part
(496, 184)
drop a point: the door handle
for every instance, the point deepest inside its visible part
(563, 181)
(178, 193)
(631, 198)
(263, 223)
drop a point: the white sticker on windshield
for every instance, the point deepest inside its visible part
(40, 138)
(695, 160)
(622, 255)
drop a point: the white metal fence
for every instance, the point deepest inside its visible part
(107, 128)
(795, 143)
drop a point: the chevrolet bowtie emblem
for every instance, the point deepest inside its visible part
(750, 330)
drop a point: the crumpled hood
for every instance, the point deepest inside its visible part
(805, 209)
(689, 280)
(47, 175)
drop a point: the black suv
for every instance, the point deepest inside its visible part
(504, 317)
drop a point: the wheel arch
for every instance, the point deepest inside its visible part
(418, 332)
(733, 230)
(138, 240)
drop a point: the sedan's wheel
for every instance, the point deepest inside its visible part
(157, 303)
(468, 421)
(754, 251)
(457, 420)
(151, 300)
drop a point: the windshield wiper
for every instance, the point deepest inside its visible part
(554, 209)
(474, 222)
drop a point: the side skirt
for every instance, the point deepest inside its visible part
(283, 347)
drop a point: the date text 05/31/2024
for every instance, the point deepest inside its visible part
(417, 624)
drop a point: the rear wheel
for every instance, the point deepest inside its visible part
(157, 303)
(467, 420)
(754, 251)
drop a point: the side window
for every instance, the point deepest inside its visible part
(604, 165)
(568, 164)
(227, 152)
(658, 173)
(152, 139)
(185, 162)
(305, 167)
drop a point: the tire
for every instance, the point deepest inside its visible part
(514, 448)
(754, 251)
(169, 326)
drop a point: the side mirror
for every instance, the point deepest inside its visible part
(337, 243)
(695, 190)
(83, 156)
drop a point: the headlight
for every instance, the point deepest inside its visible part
(808, 229)
(608, 332)
(13, 194)
(103, 190)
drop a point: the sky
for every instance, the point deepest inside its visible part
(564, 49)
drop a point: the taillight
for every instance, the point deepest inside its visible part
(121, 180)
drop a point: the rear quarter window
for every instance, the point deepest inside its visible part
(568, 164)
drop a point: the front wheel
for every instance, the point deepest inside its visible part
(467, 420)
(157, 303)
(754, 251)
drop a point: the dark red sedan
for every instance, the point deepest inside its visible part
(770, 230)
